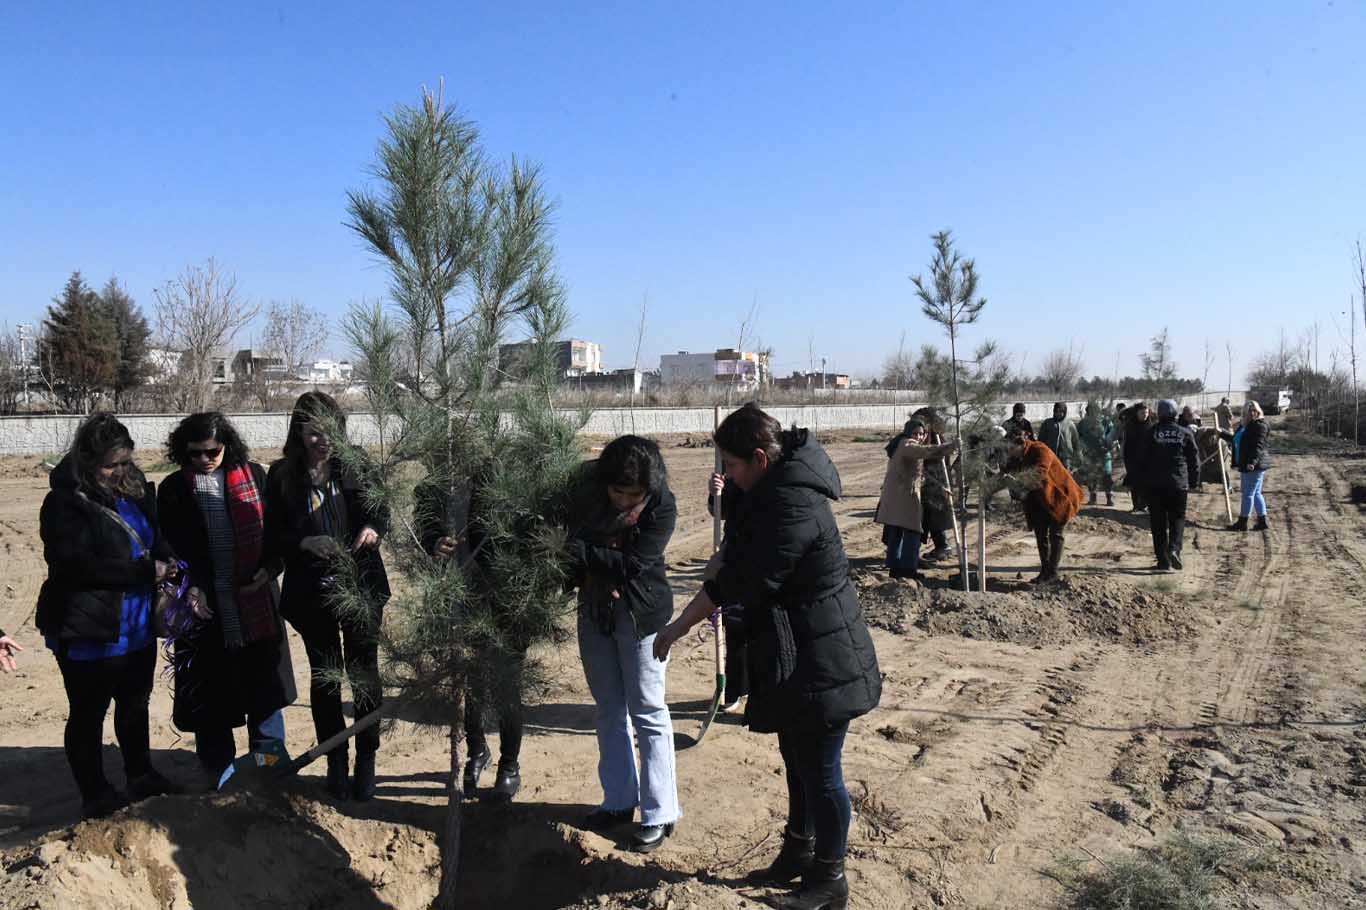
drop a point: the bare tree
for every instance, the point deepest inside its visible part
(1209, 362)
(898, 370)
(12, 370)
(295, 333)
(1061, 369)
(1228, 355)
(199, 314)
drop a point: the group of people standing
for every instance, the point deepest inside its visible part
(1047, 470)
(218, 532)
(195, 561)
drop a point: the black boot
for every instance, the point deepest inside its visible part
(473, 768)
(824, 887)
(649, 838)
(1109, 498)
(106, 803)
(337, 784)
(1239, 525)
(151, 783)
(1054, 557)
(1261, 523)
(792, 861)
(1093, 498)
(363, 782)
(507, 783)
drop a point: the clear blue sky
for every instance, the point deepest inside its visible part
(1112, 169)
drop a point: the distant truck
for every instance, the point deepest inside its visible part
(1272, 400)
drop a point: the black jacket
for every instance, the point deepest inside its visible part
(637, 568)
(1253, 452)
(1171, 459)
(288, 523)
(89, 560)
(216, 689)
(731, 496)
(811, 659)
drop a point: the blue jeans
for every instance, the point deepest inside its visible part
(903, 549)
(817, 801)
(628, 688)
(1252, 494)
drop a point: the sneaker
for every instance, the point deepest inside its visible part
(1175, 559)
(734, 707)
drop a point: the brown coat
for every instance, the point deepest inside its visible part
(1049, 483)
(900, 504)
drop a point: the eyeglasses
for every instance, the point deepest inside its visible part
(210, 454)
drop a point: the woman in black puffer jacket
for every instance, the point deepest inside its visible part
(812, 664)
(105, 556)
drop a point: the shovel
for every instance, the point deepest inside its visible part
(717, 621)
(268, 761)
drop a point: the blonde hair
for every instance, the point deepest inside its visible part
(1252, 411)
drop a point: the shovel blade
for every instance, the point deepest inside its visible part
(263, 763)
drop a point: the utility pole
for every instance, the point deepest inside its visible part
(1356, 399)
(23, 357)
(822, 374)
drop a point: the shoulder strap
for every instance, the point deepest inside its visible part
(123, 523)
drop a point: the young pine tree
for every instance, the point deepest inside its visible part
(462, 447)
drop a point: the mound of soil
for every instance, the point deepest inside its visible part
(1104, 609)
(273, 849)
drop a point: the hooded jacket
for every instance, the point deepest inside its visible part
(1171, 459)
(811, 659)
(90, 562)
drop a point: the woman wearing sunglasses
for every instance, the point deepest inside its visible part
(321, 522)
(233, 668)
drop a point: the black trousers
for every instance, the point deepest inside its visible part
(1167, 511)
(333, 645)
(1048, 535)
(509, 721)
(90, 686)
(737, 660)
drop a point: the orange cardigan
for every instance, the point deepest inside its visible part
(1061, 495)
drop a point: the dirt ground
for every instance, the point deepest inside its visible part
(1017, 728)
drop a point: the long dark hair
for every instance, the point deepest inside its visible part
(207, 425)
(310, 407)
(632, 461)
(97, 436)
(747, 429)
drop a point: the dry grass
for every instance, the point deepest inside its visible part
(1181, 873)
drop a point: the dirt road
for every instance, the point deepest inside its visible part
(1016, 728)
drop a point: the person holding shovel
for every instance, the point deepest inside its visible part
(625, 516)
(234, 667)
(813, 668)
(900, 510)
(1052, 498)
(317, 518)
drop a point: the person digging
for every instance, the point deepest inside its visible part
(1051, 498)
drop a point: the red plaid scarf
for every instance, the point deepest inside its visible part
(247, 512)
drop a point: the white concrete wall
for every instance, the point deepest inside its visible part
(265, 433)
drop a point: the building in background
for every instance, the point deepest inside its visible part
(629, 381)
(722, 367)
(803, 381)
(574, 357)
(321, 371)
(250, 363)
